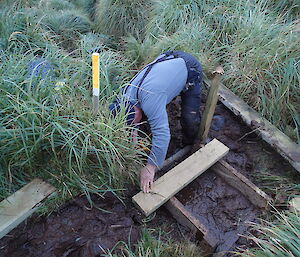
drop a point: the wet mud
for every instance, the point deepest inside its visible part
(78, 230)
(219, 207)
(247, 149)
(223, 210)
(75, 230)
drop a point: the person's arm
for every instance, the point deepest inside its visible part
(155, 110)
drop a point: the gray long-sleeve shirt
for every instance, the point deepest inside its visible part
(164, 82)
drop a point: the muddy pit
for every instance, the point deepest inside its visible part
(78, 230)
(75, 230)
(219, 207)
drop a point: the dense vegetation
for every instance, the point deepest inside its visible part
(46, 125)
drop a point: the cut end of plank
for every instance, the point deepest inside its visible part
(295, 205)
(218, 70)
(180, 176)
(20, 205)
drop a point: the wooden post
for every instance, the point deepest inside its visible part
(96, 81)
(211, 103)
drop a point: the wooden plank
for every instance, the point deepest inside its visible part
(180, 176)
(235, 179)
(295, 205)
(210, 105)
(269, 133)
(185, 218)
(20, 205)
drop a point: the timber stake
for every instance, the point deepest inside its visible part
(211, 103)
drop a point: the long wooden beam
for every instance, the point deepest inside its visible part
(269, 133)
(185, 218)
(20, 205)
(180, 176)
(235, 179)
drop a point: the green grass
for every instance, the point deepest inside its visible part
(121, 17)
(288, 8)
(49, 132)
(167, 16)
(156, 244)
(262, 67)
(277, 238)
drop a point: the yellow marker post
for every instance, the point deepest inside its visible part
(96, 81)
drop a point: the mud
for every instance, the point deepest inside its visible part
(247, 150)
(76, 230)
(219, 207)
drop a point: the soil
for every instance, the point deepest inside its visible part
(218, 206)
(78, 230)
(66, 233)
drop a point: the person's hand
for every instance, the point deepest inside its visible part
(147, 177)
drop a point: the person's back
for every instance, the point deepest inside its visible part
(165, 80)
(171, 74)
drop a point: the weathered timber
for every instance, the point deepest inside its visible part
(295, 205)
(177, 178)
(20, 205)
(185, 218)
(235, 179)
(269, 133)
(182, 152)
(210, 105)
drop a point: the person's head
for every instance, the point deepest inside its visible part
(133, 113)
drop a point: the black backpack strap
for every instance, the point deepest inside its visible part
(149, 67)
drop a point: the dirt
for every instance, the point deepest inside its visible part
(67, 234)
(249, 154)
(219, 207)
(78, 230)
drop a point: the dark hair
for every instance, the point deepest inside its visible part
(115, 107)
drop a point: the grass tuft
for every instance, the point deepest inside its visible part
(156, 244)
(279, 238)
(121, 17)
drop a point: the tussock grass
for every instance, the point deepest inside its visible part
(66, 26)
(121, 17)
(88, 6)
(289, 8)
(167, 16)
(58, 5)
(48, 131)
(153, 244)
(139, 52)
(262, 67)
(200, 44)
(20, 28)
(278, 238)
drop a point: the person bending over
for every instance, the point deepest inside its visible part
(171, 74)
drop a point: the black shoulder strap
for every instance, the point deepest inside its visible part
(164, 58)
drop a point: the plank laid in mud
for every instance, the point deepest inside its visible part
(185, 218)
(180, 176)
(269, 133)
(20, 205)
(235, 179)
